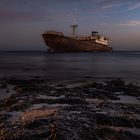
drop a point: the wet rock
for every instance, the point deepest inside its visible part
(115, 85)
(100, 93)
(6, 103)
(103, 118)
(7, 91)
(108, 133)
(4, 117)
(71, 101)
(19, 106)
(29, 116)
(132, 90)
(76, 123)
(37, 124)
(3, 84)
(77, 117)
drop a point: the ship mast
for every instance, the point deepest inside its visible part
(73, 26)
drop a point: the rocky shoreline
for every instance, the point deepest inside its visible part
(36, 110)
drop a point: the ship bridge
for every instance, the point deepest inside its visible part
(94, 33)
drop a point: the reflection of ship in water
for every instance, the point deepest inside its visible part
(57, 42)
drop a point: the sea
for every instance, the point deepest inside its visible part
(70, 66)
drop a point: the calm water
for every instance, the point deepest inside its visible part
(70, 66)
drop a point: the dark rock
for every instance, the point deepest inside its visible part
(3, 85)
(115, 85)
(132, 90)
(106, 119)
(108, 133)
(4, 117)
(79, 119)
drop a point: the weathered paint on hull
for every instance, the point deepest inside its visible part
(57, 43)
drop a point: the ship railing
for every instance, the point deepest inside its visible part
(85, 37)
(92, 38)
(54, 33)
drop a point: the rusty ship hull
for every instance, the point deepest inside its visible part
(61, 43)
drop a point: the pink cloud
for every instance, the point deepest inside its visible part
(134, 6)
(131, 23)
(14, 15)
(107, 6)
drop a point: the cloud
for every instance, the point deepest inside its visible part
(47, 10)
(14, 15)
(107, 6)
(105, 24)
(134, 6)
(131, 23)
(128, 4)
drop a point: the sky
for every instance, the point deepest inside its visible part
(23, 21)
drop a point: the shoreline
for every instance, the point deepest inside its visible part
(92, 110)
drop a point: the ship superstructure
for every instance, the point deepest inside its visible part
(94, 38)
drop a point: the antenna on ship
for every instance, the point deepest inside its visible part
(73, 26)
